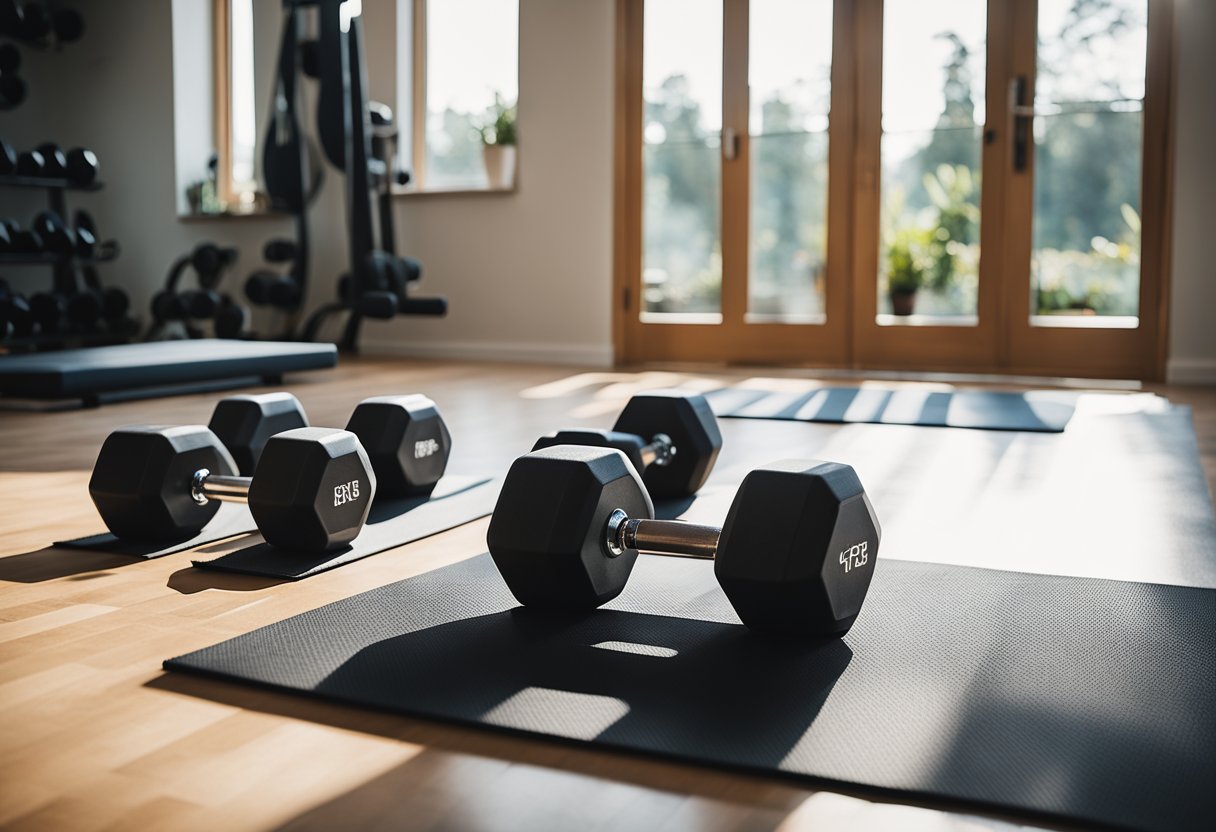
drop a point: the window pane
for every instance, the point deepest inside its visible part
(789, 79)
(682, 120)
(932, 117)
(1089, 103)
(244, 127)
(472, 55)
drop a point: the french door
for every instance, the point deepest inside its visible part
(893, 183)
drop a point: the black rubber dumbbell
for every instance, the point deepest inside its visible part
(15, 312)
(8, 159)
(10, 59)
(30, 163)
(405, 436)
(81, 166)
(113, 302)
(56, 237)
(795, 555)
(55, 162)
(670, 436)
(311, 491)
(67, 24)
(22, 240)
(231, 320)
(36, 24)
(48, 310)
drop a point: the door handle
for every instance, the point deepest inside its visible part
(1021, 116)
(730, 144)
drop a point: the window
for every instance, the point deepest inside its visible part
(463, 79)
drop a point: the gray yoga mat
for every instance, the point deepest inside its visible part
(1074, 698)
(1043, 411)
(455, 501)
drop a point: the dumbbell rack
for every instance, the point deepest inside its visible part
(62, 268)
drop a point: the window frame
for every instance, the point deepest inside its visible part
(416, 12)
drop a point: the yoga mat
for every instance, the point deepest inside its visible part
(1045, 411)
(455, 501)
(1074, 698)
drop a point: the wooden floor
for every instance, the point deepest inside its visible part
(93, 735)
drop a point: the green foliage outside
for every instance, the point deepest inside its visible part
(1086, 252)
(453, 151)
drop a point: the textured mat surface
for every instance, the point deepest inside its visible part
(455, 501)
(231, 520)
(1045, 411)
(1077, 698)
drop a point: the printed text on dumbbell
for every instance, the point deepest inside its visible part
(346, 493)
(855, 556)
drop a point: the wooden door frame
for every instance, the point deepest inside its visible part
(857, 66)
(734, 340)
(1098, 352)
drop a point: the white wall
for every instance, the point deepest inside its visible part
(1193, 308)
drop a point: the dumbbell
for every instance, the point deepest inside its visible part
(795, 555)
(21, 240)
(265, 287)
(231, 319)
(8, 157)
(54, 161)
(670, 436)
(30, 163)
(15, 316)
(56, 237)
(311, 491)
(81, 165)
(48, 309)
(405, 436)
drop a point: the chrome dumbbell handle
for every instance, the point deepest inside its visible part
(659, 537)
(205, 486)
(660, 451)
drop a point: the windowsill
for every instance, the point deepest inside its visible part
(234, 215)
(408, 191)
(926, 320)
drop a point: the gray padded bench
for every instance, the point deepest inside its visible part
(103, 373)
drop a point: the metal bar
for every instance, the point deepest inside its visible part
(671, 537)
(206, 486)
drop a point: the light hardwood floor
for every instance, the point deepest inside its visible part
(93, 735)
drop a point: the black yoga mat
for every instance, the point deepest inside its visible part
(455, 501)
(1043, 411)
(231, 520)
(1077, 698)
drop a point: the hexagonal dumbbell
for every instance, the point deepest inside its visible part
(311, 491)
(404, 436)
(245, 423)
(670, 436)
(795, 555)
(407, 440)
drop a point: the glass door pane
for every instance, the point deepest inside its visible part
(681, 127)
(933, 68)
(1088, 129)
(789, 77)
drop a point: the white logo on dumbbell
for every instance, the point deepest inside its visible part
(346, 493)
(855, 556)
(425, 447)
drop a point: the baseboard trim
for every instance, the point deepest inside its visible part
(1191, 371)
(579, 355)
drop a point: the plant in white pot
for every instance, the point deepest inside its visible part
(498, 146)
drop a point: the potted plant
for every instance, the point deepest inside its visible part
(498, 146)
(906, 267)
